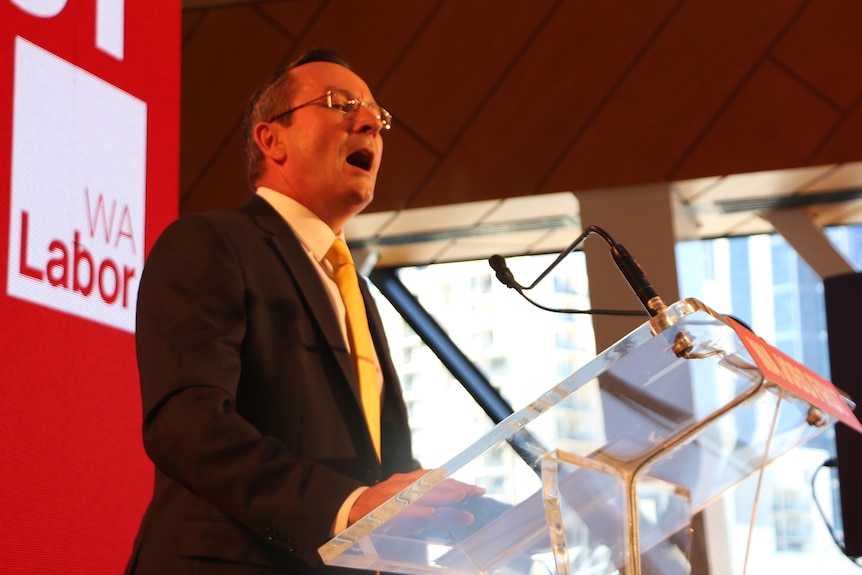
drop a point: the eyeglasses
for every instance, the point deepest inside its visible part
(345, 105)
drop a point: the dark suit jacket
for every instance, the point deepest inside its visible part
(252, 413)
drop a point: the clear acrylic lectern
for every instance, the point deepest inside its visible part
(687, 410)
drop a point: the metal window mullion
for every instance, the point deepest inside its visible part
(427, 328)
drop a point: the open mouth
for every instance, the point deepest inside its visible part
(362, 159)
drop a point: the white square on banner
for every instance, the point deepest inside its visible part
(76, 235)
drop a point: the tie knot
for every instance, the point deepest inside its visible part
(338, 254)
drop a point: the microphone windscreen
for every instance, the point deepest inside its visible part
(498, 264)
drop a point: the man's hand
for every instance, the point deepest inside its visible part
(437, 500)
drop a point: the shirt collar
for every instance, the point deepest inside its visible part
(313, 233)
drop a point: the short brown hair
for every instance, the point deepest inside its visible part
(264, 104)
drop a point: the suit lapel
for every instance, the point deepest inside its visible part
(280, 236)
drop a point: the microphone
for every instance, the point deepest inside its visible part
(631, 270)
(637, 280)
(504, 274)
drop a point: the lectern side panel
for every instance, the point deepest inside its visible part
(664, 527)
(588, 515)
(737, 444)
(652, 396)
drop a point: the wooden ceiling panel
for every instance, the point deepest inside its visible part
(674, 93)
(525, 208)
(495, 102)
(547, 98)
(845, 143)
(206, 4)
(837, 178)
(456, 62)
(438, 218)
(749, 224)
(422, 253)
(761, 184)
(406, 163)
(712, 224)
(371, 34)
(823, 46)
(688, 191)
(367, 225)
(553, 241)
(294, 16)
(191, 19)
(837, 214)
(480, 247)
(774, 122)
(224, 183)
(230, 52)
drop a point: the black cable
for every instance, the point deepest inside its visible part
(583, 311)
(830, 463)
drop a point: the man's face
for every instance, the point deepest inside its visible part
(332, 157)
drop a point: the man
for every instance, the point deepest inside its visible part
(252, 409)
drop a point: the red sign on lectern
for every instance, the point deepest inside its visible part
(791, 375)
(89, 147)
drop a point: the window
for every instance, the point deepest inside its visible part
(481, 284)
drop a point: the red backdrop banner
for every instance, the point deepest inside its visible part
(89, 161)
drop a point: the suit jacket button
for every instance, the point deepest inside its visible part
(290, 545)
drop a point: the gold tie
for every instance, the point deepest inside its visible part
(361, 346)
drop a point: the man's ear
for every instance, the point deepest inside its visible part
(270, 138)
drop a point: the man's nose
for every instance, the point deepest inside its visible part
(367, 120)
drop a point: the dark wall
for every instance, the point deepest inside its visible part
(844, 320)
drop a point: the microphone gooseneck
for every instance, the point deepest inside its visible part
(628, 266)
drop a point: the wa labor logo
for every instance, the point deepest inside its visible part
(76, 239)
